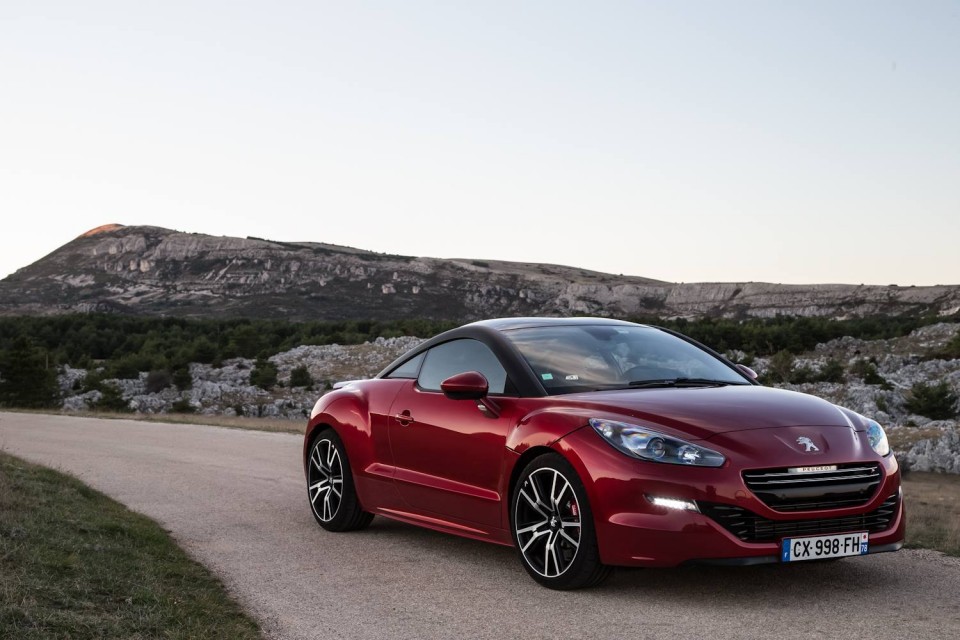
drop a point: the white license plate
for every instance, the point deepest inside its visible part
(819, 547)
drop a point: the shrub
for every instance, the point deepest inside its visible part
(935, 401)
(832, 371)
(868, 371)
(264, 375)
(183, 406)
(111, 399)
(158, 380)
(780, 368)
(882, 404)
(300, 377)
(950, 351)
(182, 378)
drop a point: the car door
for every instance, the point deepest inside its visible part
(448, 453)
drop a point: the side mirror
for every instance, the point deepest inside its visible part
(470, 385)
(747, 371)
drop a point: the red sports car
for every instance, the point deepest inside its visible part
(589, 443)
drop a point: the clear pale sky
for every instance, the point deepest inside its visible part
(685, 141)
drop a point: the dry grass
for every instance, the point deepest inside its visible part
(932, 502)
(280, 425)
(902, 438)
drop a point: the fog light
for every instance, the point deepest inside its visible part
(674, 503)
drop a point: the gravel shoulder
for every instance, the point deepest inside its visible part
(235, 501)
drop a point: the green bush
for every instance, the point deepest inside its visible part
(264, 375)
(882, 404)
(935, 401)
(780, 368)
(182, 406)
(111, 399)
(867, 370)
(950, 351)
(300, 377)
(832, 371)
(182, 378)
(158, 380)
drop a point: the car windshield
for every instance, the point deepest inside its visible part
(575, 358)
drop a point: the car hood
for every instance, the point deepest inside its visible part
(702, 412)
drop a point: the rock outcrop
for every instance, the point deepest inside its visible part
(921, 443)
(150, 270)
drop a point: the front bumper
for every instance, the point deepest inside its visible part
(631, 531)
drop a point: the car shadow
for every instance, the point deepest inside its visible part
(733, 585)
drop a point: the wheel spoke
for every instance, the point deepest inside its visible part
(533, 504)
(563, 490)
(317, 461)
(538, 534)
(331, 456)
(536, 492)
(575, 543)
(532, 527)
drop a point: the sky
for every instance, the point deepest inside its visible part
(794, 142)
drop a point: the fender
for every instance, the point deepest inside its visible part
(543, 427)
(346, 411)
(351, 413)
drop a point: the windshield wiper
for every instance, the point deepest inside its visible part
(680, 382)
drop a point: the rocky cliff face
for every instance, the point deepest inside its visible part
(150, 270)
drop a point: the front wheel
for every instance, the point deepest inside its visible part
(552, 526)
(333, 499)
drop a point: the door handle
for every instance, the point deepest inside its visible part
(404, 418)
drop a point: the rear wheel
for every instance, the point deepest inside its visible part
(552, 526)
(333, 499)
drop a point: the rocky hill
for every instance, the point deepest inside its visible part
(150, 270)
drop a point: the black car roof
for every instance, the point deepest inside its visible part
(506, 324)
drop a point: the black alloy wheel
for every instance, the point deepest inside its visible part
(333, 499)
(553, 527)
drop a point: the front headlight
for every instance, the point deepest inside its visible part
(877, 438)
(647, 444)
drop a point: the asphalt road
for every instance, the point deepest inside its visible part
(236, 501)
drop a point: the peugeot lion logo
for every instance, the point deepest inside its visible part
(804, 441)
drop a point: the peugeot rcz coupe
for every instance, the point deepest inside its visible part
(590, 443)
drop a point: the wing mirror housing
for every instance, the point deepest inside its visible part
(747, 371)
(470, 385)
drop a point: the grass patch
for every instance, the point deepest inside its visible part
(76, 564)
(932, 502)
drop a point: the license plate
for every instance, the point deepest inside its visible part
(819, 547)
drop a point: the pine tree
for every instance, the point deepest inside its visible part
(27, 379)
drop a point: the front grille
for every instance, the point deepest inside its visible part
(849, 485)
(750, 527)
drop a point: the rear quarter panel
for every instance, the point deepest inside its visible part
(358, 413)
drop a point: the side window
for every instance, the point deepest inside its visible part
(408, 369)
(458, 356)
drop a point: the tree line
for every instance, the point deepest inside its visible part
(33, 348)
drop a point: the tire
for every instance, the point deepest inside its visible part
(328, 474)
(552, 526)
